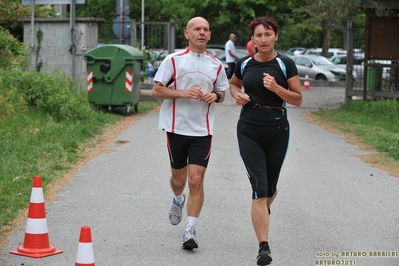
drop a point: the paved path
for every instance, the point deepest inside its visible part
(329, 202)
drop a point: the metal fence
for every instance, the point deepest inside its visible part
(158, 37)
(374, 78)
(381, 75)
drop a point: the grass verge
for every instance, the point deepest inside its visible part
(33, 143)
(371, 125)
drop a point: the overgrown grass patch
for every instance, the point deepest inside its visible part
(35, 143)
(376, 123)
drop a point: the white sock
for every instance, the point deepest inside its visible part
(180, 199)
(192, 221)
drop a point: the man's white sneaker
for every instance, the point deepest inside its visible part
(189, 238)
(175, 213)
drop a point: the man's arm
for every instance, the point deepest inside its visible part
(162, 92)
(233, 55)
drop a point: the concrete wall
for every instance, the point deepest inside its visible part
(56, 46)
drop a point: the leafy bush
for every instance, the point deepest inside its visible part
(12, 52)
(54, 94)
(11, 100)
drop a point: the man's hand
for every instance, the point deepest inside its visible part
(209, 97)
(193, 93)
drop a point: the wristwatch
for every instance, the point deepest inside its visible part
(218, 95)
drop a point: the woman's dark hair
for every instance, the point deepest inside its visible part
(266, 21)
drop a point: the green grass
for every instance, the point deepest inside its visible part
(34, 143)
(46, 127)
(374, 123)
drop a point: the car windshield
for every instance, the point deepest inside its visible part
(339, 60)
(162, 55)
(320, 60)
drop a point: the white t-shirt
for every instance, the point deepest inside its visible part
(190, 117)
(230, 46)
(297, 52)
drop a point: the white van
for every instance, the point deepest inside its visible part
(331, 51)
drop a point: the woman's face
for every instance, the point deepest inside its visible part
(264, 38)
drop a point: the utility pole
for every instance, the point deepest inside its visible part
(73, 47)
(121, 35)
(142, 25)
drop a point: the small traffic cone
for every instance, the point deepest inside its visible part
(306, 84)
(36, 241)
(85, 255)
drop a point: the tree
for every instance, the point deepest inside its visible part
(12, 10)
(326, 16)
(301, 22)
(105, 9)
(224, 16)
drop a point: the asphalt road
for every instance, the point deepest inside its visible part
(331, 205)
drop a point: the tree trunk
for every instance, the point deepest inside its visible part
(326, 38)
(345, 35)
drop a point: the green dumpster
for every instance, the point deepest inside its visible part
(113, 76)
(374, 76)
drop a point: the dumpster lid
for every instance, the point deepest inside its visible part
(108, 51)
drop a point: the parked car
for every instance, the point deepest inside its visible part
(302, 50)
(331, 52)
(160, 58)
(284, 53)
(214, 51)
(342, 59)
(150, 70)
(318, 68)
(153, 54)
(215, 46)
(358, 64)
(385, 71)
(222, 56)
(221, 46)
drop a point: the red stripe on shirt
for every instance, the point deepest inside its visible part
(208, 127)
(174, 100)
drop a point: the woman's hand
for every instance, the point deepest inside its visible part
(242, 98)
(269, 82)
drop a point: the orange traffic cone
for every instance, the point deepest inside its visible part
(85, 255)
(306, 84)
(36, 241)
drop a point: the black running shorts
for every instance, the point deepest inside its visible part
(185, 150)
(262, 150)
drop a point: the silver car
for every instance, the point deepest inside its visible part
(358, 65)
(318, 68)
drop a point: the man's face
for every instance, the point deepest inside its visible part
(234, 38)
(198, 33)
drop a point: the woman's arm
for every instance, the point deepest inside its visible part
(236, 91)
(292, 96)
